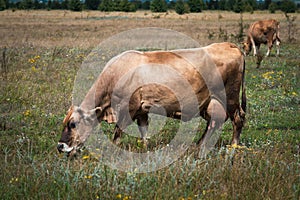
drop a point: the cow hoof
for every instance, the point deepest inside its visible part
(145, 142)
(117, 141)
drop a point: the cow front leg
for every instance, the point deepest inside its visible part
(143, 124)
(269, 48)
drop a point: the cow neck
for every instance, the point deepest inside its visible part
(96, 96)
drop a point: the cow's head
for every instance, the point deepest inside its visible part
(78, 125)
(247, 47)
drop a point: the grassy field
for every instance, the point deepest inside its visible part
(43, 52)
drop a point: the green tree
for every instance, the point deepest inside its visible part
(49, 4)
(26, 4)
(288, 6)
(92, 4)
(267, 4)
(146, 5)
(248, 8)
(229, 4)
(75, 5)
(2, 5)
(196, 5)
(56, 5)
(127, 6)
(238, 6)
(252, 3)
(222, 4)
(65, 5)
(272, 7)
(181, 7)
(158, 6)
(106, 5)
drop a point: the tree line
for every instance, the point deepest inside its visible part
(180, 6)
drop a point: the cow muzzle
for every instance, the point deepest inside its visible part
(64, 148)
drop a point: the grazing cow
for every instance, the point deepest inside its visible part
(135, 83)
(262, 32)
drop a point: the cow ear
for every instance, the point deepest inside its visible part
(79, 110)
(69, 113)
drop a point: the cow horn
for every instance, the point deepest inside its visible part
(95, 109)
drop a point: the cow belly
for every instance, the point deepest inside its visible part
(161, 100)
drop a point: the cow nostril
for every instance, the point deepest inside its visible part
(60, 148)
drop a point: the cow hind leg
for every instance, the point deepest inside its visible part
(277, 47)
(216, 117)
(237, 122)
(120, 126)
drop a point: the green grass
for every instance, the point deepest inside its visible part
(36, 93)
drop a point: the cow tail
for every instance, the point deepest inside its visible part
(244, 98)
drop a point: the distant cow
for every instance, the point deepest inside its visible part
(262, 32)
(215, 75)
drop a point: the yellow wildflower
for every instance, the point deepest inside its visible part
(118, 196)
(31, 60)
(294, 93)
(126, 197)
(235, 146)
(224, 195)
(88, 177)
(85, 157)
(33, 68)
(267, 75)
(26, 113)
(12, 180)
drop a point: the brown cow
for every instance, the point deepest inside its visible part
(134, 84)
(262, 32)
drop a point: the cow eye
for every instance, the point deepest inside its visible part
(72, 125)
